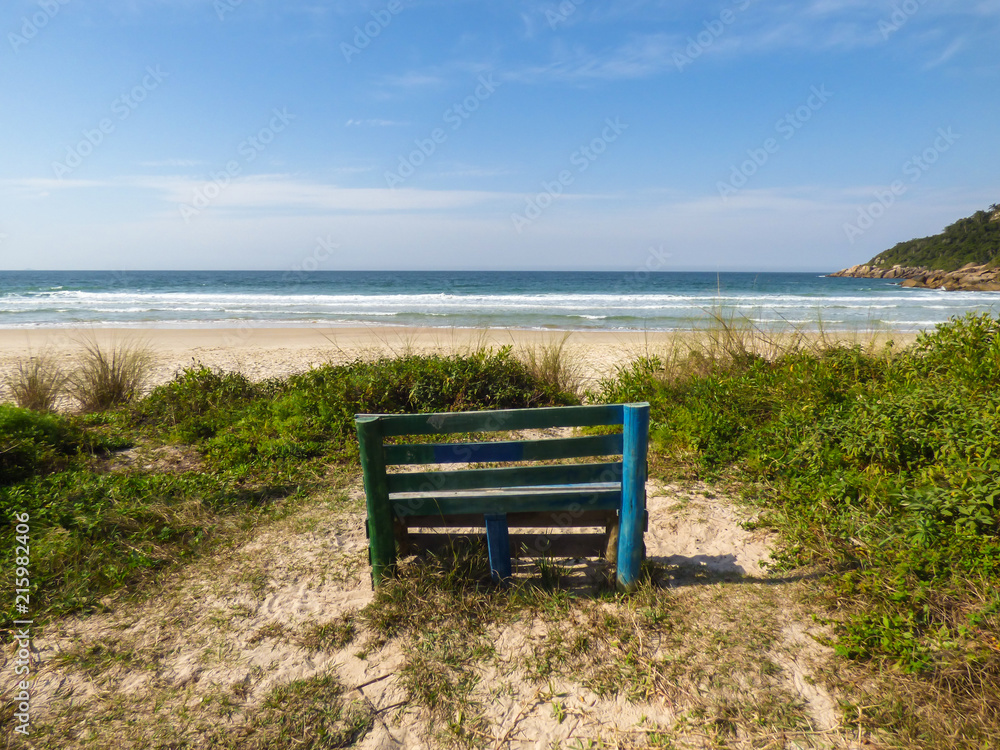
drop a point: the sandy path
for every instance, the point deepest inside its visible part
(222, 634)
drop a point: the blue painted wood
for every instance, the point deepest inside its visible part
(508, 450)
(498, 544)
(632, 515)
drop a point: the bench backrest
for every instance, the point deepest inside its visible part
(531, 494)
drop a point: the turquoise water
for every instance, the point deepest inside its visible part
(531, 300)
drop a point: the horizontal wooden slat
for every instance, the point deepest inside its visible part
(508, 450)
(522, 545)
(594, 497)
(545, 520)
(497, 420)
(517, 476)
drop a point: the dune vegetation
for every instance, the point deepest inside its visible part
(878, 468)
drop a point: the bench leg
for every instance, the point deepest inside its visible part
(381, 534)
(611, 542)
(498, 543)
(632, 518)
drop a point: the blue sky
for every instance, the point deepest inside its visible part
(258, 134)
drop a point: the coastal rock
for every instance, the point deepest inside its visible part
(970, 277)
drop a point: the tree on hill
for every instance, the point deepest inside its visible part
(974, 239)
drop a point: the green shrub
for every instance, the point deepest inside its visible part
(883, 465)
(33, 443)
(200, 401)
(967, 349)
(312, 414)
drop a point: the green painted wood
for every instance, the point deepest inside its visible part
(506, 450)
(633, 509)
(514, 501)
(500, 419)
(542, 520)
(517, 476)
(381, 536)
(522, 545)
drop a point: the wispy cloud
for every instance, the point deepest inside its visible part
(816, 27)
(175, 163)
(278, 192)
(373, 123)
(950, 51)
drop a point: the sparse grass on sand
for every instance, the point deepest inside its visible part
(36, 382)
(553, 363)
(109, 375)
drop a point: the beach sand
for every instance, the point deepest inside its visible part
(261, 353)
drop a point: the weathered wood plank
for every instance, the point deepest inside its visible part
(517, 476)
(514, 501)
(507, 450)
(499, 419)
(541, 520)
(523, 545)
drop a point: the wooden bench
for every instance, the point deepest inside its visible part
(554, 496)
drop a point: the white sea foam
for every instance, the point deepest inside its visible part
(553, 302)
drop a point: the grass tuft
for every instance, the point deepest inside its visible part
(311, 714)
(551, 363)
(110, 376)
(36, 383)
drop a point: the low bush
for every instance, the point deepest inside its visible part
(35, 444)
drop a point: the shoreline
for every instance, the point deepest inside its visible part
(261, 353)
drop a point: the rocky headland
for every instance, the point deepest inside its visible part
(970, 277)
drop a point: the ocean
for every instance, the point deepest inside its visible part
(607, 301)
